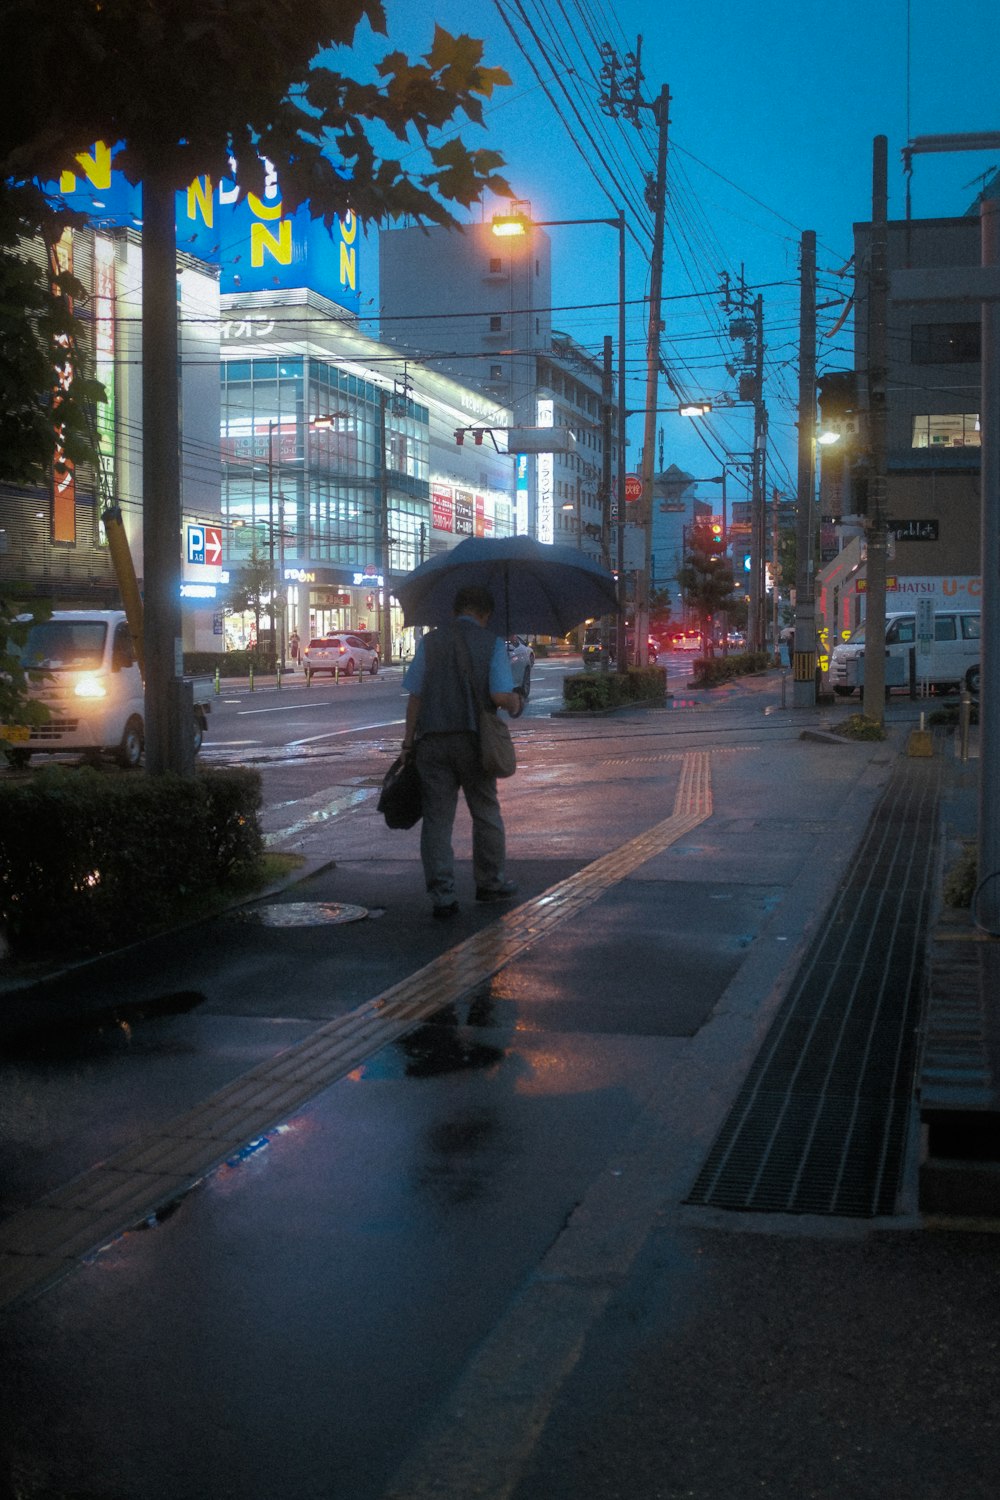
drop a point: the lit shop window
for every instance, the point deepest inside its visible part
(955, 430)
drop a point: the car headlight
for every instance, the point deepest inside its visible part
(91, 687)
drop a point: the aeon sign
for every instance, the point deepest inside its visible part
(254, 242)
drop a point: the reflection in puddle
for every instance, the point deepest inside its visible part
(443, 1047)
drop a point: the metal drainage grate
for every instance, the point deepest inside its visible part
(820, 1124)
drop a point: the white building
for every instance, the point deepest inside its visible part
(479, 309)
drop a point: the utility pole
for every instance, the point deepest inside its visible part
(758, 549)
(873, 696)
(385, 617)
(775, 575)
(169, 700)
(988, 849)
(609, 509)
(627, 100)
(661, 114)
(804, 658)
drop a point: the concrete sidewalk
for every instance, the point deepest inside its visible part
(612, 1340)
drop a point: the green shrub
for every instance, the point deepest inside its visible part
(961, 880)
(232, 827)
(952, 714)
(228, 663)
(860, 727)
(89, 861)
(709, 670)
(594, 692)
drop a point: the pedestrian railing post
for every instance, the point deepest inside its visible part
(964, 717)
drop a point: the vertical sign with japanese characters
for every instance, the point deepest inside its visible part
(63, 473)
(104, 356)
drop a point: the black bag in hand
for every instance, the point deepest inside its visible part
(399, 801)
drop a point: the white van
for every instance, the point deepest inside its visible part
(81, 665)
(953, 657)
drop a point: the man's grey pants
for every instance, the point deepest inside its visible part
(446, 762)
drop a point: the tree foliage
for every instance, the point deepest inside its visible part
(39, 364)
(191, 86)
(250, 588)
(707, 581)
(16, 618)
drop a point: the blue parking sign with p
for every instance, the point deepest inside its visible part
(196, 544)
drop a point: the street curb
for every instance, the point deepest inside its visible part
(606, 713)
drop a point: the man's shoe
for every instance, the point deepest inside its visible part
(504, 892)
(444, 913)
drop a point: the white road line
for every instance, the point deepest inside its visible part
(335, 733)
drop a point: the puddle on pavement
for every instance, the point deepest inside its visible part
(301, 914)
(70, 1036)
(436, 1049)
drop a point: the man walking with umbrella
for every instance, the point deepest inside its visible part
(452, 668)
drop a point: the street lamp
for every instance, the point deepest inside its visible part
(513, 225)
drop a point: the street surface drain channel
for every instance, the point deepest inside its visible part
(820, 1125)
(303, 914)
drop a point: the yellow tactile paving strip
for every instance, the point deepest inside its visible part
(42, 1242)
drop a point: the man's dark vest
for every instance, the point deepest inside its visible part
(447, 704)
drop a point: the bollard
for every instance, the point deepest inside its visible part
(964, 717)
(251, 677)
(336, 677)
(920, 742)
(218, 689)
(277, 675)
(784, 683)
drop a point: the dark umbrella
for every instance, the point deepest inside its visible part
(537, 586)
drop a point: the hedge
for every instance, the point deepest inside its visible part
(593, 692)
(709, 670)
(229, 663)
(90, 861)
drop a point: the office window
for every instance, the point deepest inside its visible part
(496, 372)
(496, 264)
(944, 343)
(496, 323)
(952, 430)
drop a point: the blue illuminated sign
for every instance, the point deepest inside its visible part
(255, 244)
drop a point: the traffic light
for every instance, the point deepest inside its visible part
(717, 540)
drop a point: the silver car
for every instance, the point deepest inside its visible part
(342, 653)
(522, 659)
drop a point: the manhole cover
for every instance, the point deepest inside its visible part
(305, 914)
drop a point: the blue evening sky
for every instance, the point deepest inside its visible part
(774, 109)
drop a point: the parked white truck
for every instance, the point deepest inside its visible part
(82, 666)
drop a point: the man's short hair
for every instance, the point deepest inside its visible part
(474, 599)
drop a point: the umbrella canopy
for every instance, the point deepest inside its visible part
(537, 586)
